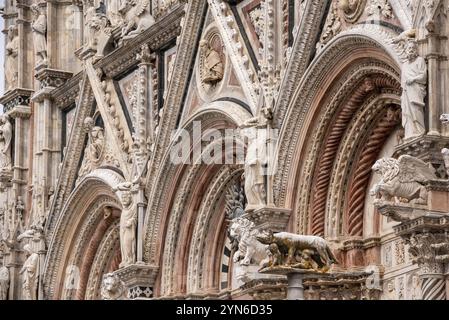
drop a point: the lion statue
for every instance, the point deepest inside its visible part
(445, 119)
(250, 251)
(402, 179)
(112, 288)
(137, 16)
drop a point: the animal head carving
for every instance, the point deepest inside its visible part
(239, 227)
(265, 237)
(387, 168)
(445, 119)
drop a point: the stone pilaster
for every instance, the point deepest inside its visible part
(47, 138)
(426, 234)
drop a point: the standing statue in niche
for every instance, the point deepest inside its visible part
(445, 119)
(5, 144)
(11, 64)
(212, 69)
(414, 82)
(128, 224)
(4, 283)
(39, 27)
(30, 272)
(256, 159)
(94, 149)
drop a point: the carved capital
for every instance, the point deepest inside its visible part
(139, 280)
(16, 97)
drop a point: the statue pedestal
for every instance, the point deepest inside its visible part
(139, 280)
(14, 98)
(269, 218)
(426, 234)
(295, 279)
(427, 148)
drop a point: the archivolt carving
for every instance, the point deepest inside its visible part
(191, 26)
(106, 220)
(360, 144)
(362, 174)
(338, 50)
(197, 248)
(209, 115)
(350, 80)
(182, 200)
(328, 156)
(95, 185)
(86, 242)
(105, 253)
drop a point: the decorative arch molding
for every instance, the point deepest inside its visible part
(327, 82)
(106, 252)
(369, 36)
(365, 136)
(197, 278)
(218, 115)
(183, 250)
(333, 129)
(182, 222)
(81, 216)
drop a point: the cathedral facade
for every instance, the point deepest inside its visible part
(214, 149)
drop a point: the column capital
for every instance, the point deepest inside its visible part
(16, 97)
(269, 218)
(139, 280)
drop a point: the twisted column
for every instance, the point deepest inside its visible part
(363, 170)
(433, 287)
(430, 250)
(326, 162)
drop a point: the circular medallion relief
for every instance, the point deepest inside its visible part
(212, 60)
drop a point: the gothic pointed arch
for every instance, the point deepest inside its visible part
(90, 214)
(171, 220)
(338, 121)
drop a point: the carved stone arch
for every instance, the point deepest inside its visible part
(79, 231)
(182, 182)
(209, 235)
(104, 262)
(219, 115)
(372, 124)
(342, 64)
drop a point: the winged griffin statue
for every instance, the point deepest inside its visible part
(137, 16)
(402, 179)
